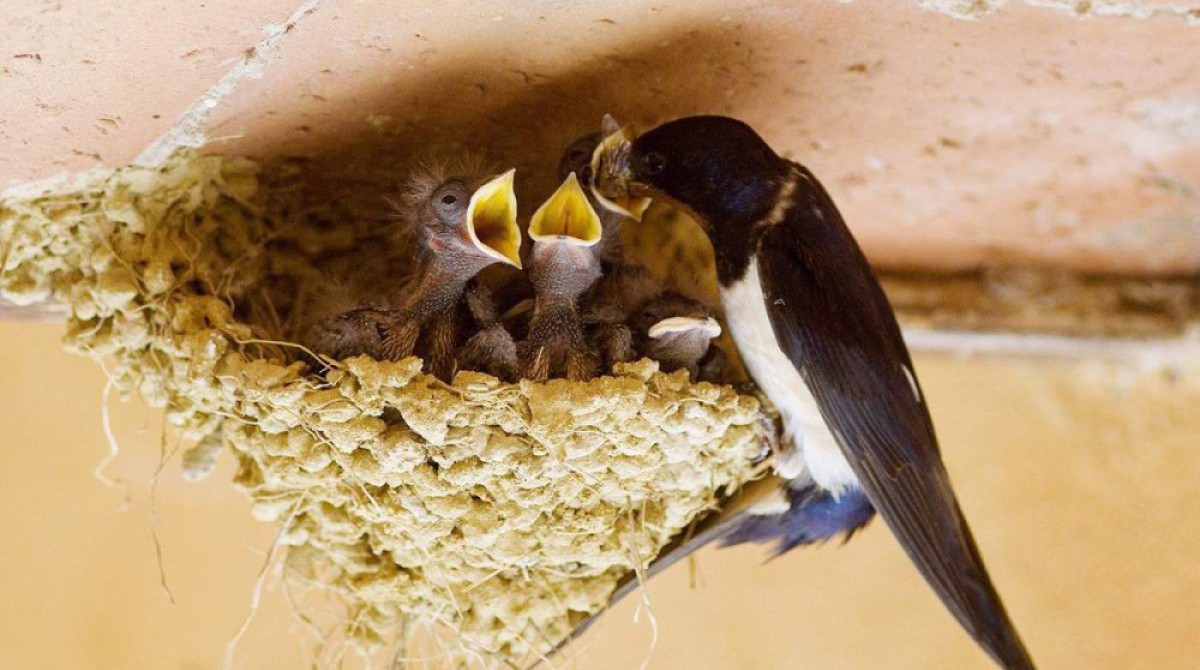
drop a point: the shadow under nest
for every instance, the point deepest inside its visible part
(503, 512)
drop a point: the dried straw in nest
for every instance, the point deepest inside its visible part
(504, 512)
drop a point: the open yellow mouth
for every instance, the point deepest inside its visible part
(567, 216)
(610, 167)
(492, 220)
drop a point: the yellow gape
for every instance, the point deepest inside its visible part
(492, 220)
(567, 215)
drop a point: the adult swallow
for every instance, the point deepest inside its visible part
(819, 338)
(562, 267)
(461, 225)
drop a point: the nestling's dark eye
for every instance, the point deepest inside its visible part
(585, 175)
(653, 162)
(450, 201)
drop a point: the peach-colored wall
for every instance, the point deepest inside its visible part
(1029, 135)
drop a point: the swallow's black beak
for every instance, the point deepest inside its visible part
(612, 180)
(492, 220)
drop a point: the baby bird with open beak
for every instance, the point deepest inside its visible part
(625, 286)
(678, 333)
(462, 224)
(562, 266)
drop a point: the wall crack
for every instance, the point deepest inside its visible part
(189, 129)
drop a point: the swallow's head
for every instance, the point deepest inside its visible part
(564, 230)
(708, 165)
(471, 222)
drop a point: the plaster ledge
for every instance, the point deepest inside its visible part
(973, 10)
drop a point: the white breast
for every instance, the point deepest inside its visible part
(817, 455)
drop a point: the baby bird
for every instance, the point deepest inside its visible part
(340, 313)
(353, 332)
(678, 333)
(625, 285)
(462, 224)
(562, 266)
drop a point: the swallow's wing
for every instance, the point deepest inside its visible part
(831, 318)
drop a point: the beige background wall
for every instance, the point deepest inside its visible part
(1079, 478)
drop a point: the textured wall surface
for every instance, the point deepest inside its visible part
(1079, 478)
(1056, 132)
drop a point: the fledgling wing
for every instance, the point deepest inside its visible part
(399, 336)
(831, 318)
(354, 332)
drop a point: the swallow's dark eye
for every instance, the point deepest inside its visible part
(653, 162)
(585, 175)
(449, 199)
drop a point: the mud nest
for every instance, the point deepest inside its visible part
(506, 512)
